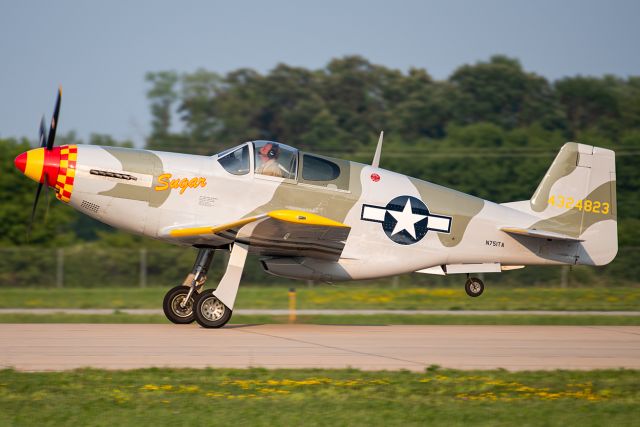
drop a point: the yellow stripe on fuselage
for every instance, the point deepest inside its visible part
(35, 164)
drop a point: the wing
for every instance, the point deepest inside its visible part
(276, 233)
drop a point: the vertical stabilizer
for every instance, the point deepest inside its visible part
(577, 197)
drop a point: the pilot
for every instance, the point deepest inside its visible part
(268, 156)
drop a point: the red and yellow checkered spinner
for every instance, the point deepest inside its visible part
(55, 167)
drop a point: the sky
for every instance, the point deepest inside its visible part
(99, 51)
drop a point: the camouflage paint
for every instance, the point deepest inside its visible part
(443, 201)
(138, 161)
(334, 204)
(565, 162)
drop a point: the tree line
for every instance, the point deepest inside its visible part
(344, 105)
(491, 129)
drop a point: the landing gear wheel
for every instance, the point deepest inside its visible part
(474, 287)
(210, 311)
(172, 305)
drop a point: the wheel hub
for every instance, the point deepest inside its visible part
(475, 287)
(212, 309)
(178, 308)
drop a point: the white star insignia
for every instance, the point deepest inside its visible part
(406, 220)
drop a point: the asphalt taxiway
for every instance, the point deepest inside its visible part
(55, 347)
(328, 312)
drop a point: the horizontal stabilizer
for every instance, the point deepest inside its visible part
(437, 270)
(540, 234)
(487, 267)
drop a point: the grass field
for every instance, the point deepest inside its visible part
(319, 397)
(344, 296)
(385, 319)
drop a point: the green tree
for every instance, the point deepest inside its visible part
(162, 95)
(587, 102)
(425, 110)
(359, 95)
(202, 123)
(103, 139)
(53, 224)
(501, 92)
(629, 103)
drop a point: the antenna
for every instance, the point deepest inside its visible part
(376, 156)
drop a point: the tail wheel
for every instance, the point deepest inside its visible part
(176, 308)
(474, 287)
(210, 312)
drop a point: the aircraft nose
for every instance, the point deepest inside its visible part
(31, 163)
(21, 162)
(38, 163)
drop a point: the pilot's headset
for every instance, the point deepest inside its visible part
(270, 150)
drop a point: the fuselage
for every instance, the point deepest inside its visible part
(147, 192)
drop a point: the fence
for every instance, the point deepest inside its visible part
(94, 266)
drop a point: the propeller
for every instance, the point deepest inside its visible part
(46, 142)
(54, 121)
(43, 133)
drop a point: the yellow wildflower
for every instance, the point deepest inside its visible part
(150, 387)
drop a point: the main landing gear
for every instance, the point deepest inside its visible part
(210, 308)
(474, 286)
(179, 301)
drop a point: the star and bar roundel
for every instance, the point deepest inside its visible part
(406, 219)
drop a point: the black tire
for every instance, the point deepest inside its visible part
(172, 309)
(474, 287)
(210, 312)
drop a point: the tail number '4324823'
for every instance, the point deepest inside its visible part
(586, 205)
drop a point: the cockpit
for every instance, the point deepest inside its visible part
(273, 159)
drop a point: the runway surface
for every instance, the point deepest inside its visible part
(54, 347)
(328, 312)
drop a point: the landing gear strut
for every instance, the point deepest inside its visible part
(179, 301)
(210, 308)
(213, 309)
(474, 287)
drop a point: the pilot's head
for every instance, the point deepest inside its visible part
(269, 151)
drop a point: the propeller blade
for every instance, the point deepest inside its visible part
(45, 142)
(43, 134)
(47, 196)
(54, 121)
(33, 210)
